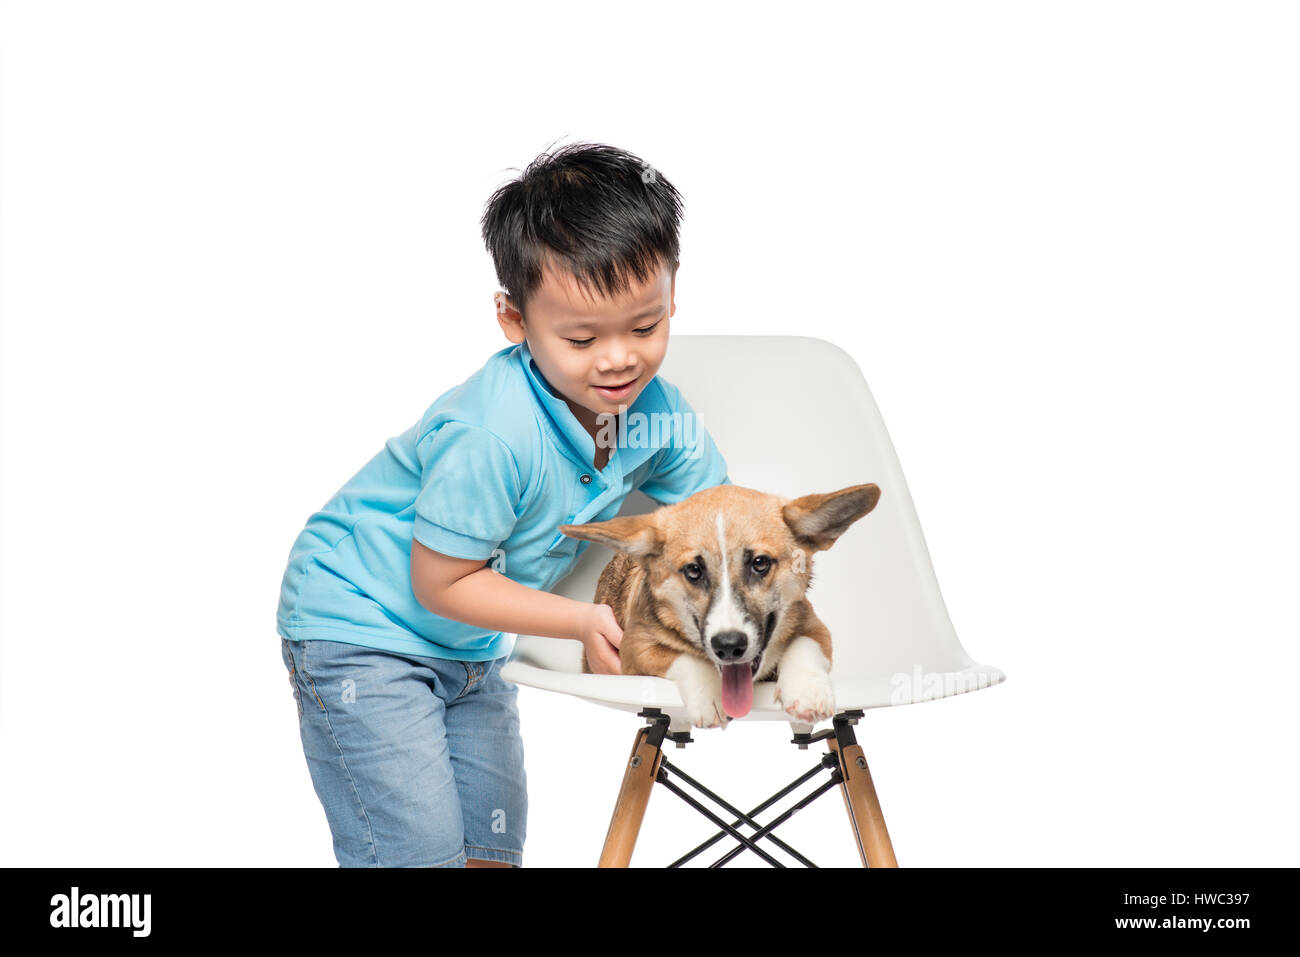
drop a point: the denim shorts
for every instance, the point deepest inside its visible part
(417, 761)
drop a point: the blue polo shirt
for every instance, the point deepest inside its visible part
(490, 471)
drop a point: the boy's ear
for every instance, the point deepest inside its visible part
(634, 535)
(511, 322)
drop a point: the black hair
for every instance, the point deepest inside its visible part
(596, 211)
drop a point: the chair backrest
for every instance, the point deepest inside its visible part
(793, 415)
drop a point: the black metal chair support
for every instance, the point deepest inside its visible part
(658, 723)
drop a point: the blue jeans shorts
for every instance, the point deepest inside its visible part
(417, 761)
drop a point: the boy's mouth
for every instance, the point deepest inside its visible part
(618, 392)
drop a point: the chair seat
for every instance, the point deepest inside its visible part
(553, 664)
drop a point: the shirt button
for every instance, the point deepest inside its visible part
(586, 480)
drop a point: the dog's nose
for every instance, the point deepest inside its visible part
(729, 645)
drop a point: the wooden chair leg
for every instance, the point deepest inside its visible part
(633, 796)
(865, 817)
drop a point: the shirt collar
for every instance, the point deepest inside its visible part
(629, 452)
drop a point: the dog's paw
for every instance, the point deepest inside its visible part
(806, 695)
(706, 711)
(700, 686)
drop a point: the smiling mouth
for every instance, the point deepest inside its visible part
(616, 388)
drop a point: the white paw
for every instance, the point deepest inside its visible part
(806, 696)
(705, 712)
(700, 686)
(803, 686)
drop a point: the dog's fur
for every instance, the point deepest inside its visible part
(676, 627)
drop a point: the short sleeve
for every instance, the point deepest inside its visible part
(691, 462)
(469, 491)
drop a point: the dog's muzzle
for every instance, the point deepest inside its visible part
(729, 649)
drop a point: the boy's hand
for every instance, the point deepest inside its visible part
(601, 636)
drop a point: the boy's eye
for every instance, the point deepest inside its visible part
(643, 331)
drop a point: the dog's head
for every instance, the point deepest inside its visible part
(724, 566)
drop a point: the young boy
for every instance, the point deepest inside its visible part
(404, 593)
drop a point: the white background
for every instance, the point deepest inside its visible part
(241, 250)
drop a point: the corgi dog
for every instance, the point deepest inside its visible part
(711, 593)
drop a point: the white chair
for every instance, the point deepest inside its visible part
(792, 415)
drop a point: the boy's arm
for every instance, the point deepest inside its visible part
(470, 489)
(454, 588)
(465, 589)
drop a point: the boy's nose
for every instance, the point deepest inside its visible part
(617, 362)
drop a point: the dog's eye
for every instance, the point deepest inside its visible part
(693, 571)
(761, 564)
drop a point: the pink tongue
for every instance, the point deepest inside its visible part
(737, 689)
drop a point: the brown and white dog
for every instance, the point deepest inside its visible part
(711, 593)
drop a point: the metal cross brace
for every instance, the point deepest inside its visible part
(828, 761)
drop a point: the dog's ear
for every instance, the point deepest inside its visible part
(818, 520)
(634, 535)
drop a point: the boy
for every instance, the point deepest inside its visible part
(404, 593)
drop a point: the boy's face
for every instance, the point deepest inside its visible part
(582, 344)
